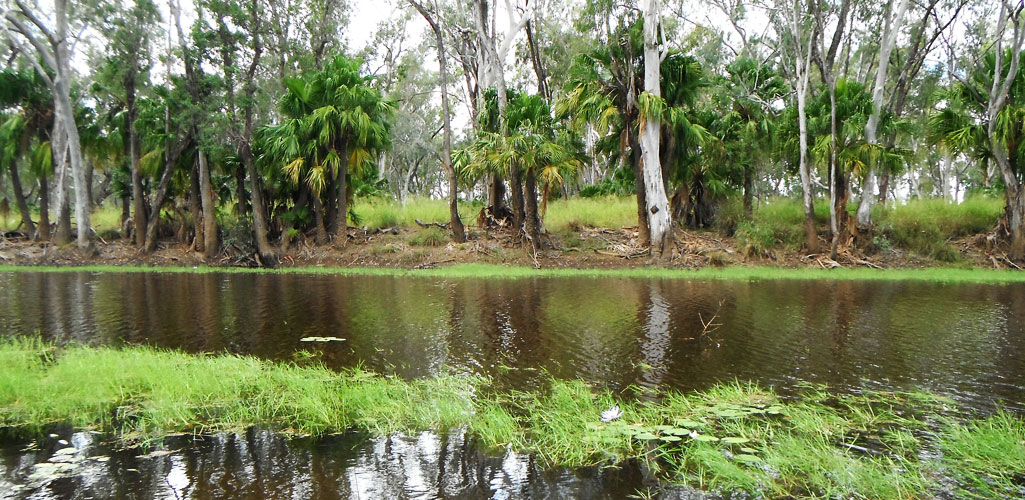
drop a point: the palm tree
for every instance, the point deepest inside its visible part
(335, 122)
(535, 147)
(25, 91)
(749, 124)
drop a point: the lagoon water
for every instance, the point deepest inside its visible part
(636, 336)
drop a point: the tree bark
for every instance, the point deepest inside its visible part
(196, 209)
(1013, 188)
(44, 210)
(59, 156)
(532, 223)
(138, 198)
(210, 246)
(19, 198)
(342, 217)
(810, 231)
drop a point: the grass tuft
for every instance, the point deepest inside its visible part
(429, 237)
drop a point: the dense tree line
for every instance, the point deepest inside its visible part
(256, 114)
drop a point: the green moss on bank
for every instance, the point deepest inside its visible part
(939, 275)
(730, 437)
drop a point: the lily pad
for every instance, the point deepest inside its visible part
(749, 451)
(645, 436)
(706, 438)
(671, 439)
(735, 440)
(747, 459)
(321, 339)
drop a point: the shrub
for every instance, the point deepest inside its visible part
(428, 237)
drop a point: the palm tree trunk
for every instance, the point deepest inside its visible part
(342, 217)
(196, 209)
(44, 210)
(643, 233)
(516, 192)
(19, 198)
(209, 210)
(532, 223)
(320, 235)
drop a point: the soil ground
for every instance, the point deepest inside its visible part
(582, 248)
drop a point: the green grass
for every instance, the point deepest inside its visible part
(987, 457)
(611, 212)
(142, 392)
(495, 271)
(926, 226)
(429, 237)
(730, 437)
(921, 226)
(385, 213)
(103, 219)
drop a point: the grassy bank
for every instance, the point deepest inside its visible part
(730, 437)
(495, 271)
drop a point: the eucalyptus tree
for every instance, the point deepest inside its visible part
(495, 48)
(893, 19)
(825, 59)
(52, 44)
(652, 106)
(240, 31)
(455, 224)
(795, 28)
(991, 89)
(934, 19)
(1003, 116)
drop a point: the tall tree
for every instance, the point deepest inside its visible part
(892, 22)
(53, 47)
(455, 224)
(657, 204)
(796, 31)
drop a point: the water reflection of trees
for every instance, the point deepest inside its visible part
(261, 464)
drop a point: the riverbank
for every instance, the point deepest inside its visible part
(589, 234)
(730, 437)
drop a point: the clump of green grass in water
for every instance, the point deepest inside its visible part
(143, 392)
(429, 237)
(987, 457)
(730, 437)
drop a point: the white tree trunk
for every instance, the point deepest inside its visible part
(894, 18)
(658, 204)
(803, 167)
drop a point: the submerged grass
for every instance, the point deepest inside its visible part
(731, 437)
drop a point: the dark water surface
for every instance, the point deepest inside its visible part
(963, 341)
